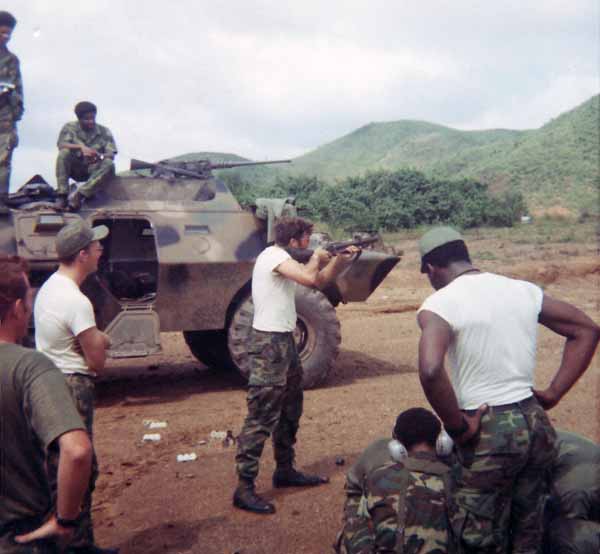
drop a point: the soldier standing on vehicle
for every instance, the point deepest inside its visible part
(397, 492)
(488, 325)
(275, 385)
(36, 414)
(86, 151)
(11, 104)
(65, 330)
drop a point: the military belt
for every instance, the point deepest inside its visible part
(526, 403)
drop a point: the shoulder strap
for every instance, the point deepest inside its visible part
(401, 510)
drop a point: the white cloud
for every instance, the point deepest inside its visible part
(265, 78)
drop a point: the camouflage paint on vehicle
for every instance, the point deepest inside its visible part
(179, 256)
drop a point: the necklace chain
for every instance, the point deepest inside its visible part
(467, 271)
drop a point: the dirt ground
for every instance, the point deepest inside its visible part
(148, 503)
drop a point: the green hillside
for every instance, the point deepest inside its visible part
(557, 164)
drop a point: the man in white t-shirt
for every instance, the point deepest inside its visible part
(65, 330)
(275, 385)
(487, 324)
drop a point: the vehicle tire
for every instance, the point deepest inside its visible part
(317, 335)
(209, 347)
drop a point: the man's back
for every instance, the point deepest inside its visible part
(494, 322)
(35, 408)
(408, 501)
(272, 293)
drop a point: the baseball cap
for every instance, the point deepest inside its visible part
(436, 237)
(76, 236)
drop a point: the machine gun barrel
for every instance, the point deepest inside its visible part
(139, 164)
(229, 165)
(205, 166)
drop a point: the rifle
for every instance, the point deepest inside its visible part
(201, 169)
(302, 255)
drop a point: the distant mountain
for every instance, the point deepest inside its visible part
(558, 164)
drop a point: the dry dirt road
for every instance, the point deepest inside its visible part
(148, 503)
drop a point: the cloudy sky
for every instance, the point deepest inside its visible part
(271, 79)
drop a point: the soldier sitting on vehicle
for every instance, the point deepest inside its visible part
(399, 491)
(86, 153)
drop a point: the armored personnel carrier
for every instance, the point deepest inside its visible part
(179, 257)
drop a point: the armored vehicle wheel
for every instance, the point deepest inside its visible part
(209, 347)
(317, 335)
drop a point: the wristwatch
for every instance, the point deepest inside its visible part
(63, 522)
(458, 431)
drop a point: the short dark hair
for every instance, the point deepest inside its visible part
(13, 285)
(288, 228)
(417, 425)
(443, 256)
(7, 19)
(81, 108)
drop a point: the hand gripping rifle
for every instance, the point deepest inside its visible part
(302, 255)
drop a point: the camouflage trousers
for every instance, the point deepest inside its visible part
(8, 142)
(82, 391)
(502, 481)
(70, 164)
(577, 536)
(274, 399)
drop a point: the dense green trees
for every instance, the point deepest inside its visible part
(389, 200)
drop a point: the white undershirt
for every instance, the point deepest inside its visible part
(62, 312)
(494, 322)
(272, 293)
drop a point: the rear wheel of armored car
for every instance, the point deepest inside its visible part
(317, 335)
(209, 347)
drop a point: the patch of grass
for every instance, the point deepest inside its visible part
(485, 256)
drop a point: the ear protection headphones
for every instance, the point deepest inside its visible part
(443, 447)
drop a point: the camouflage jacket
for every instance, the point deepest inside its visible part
(575, 477)
(11, 103)
(402, 510)
(573, 511)
(100, 138)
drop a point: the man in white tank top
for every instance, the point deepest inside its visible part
(275, 394)
(487, 324)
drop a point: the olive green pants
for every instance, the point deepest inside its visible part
(71, 165)
(8, 142)
(275, 400)
(503, 480)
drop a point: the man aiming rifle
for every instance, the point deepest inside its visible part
(275, 394)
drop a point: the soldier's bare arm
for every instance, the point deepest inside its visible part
(73, 476)
(304, 274)
(94, 344)
(86, 151)
(582, 336)
(336, 265)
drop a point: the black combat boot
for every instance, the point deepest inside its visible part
(290, 477)
(246, 499)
